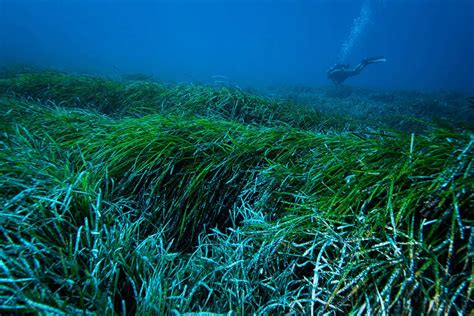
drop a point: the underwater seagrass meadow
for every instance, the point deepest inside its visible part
(124, 197)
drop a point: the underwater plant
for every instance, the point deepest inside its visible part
(147, 198)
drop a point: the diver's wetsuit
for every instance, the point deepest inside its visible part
(340, 72)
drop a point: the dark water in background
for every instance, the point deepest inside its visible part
(429, 44)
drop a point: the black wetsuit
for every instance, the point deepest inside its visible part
(340, 72)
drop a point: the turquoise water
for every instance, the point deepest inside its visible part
(428, 44)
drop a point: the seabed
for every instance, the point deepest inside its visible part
(148, 198)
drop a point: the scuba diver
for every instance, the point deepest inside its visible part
(340, 72)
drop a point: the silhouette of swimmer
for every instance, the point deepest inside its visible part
(340, 72)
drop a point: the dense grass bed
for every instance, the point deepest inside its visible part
(138, 197)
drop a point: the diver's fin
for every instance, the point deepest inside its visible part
(374, 60)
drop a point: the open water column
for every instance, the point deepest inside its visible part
(358, 27)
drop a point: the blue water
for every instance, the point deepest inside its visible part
(429, 44)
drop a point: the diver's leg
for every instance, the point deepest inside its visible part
(359, 67)
(367, 61)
